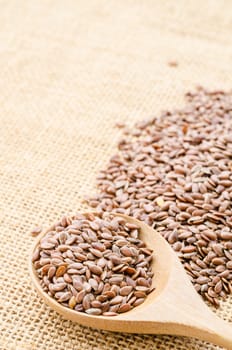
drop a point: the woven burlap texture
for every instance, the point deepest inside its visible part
(69, 71)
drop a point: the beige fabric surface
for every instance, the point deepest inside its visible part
(69, 71)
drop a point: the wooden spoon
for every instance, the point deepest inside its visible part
(174, 307)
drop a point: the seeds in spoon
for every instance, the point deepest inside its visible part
(98, 278)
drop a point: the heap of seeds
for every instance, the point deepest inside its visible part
(94, 264)
(175, 173)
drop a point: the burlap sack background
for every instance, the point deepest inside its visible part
(69, 70)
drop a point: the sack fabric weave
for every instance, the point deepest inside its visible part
(69, 70)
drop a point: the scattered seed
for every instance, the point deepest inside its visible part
(174, 173)
(174, 64)
(96, 269)
(36, 230)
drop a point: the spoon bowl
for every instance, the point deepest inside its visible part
(174, 307)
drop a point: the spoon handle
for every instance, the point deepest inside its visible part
(195, 320)
(183, 312)
(202, 324)
(216, 331)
